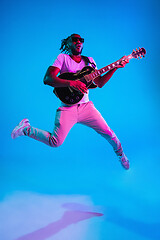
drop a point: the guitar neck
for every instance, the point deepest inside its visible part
(97, 73)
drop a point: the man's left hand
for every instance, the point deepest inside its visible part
(123, 62)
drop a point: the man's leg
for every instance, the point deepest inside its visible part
(64, 120)
(90, 116)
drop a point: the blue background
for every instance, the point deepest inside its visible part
(84, 171)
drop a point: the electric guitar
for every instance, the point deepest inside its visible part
(70, 96)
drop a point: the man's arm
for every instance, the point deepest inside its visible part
(102, 80)
(52, 80)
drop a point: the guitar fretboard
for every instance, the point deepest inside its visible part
(97, 73)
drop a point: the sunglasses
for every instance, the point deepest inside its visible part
(75, 39)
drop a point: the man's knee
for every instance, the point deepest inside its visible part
(55, 142)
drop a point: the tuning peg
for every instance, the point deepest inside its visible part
(133, 50)
(140, 56)
(136, 49)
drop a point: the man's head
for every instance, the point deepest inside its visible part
(72, 45)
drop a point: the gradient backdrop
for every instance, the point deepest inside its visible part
(79, 191)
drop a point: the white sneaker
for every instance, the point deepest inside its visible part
(124, 161)
(18, 130)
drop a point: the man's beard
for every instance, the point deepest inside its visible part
(74, 52)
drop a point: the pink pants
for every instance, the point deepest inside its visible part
(66, 117)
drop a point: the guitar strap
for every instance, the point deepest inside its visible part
(87, 61)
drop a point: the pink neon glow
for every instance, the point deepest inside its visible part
(69, 217)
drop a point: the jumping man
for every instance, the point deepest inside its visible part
(82, 112)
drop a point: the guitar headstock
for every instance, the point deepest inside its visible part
(138, 53)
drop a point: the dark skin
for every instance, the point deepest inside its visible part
(75, 50)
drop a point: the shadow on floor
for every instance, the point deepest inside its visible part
(68, 218)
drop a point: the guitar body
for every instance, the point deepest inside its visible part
(69, 95)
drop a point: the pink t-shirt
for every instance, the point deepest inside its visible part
(66, 64)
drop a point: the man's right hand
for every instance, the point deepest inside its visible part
(78, 85)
